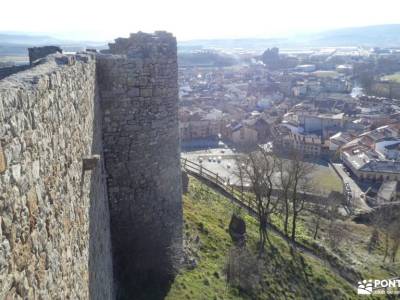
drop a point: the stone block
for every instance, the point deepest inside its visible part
(16, 172)
(3, 161)
(36, 53)
(36, 169)
(66, 60)
(89, 163)
(134, 92)
(146, 92)
(185, 182)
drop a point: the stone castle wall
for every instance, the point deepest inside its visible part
(139, 92)
(54, 233)
(5, 72)
(36, 53)
(90, 183)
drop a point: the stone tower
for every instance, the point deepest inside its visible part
(138, 88)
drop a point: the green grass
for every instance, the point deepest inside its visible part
(326, 180)
(286, 275)
(393, 77)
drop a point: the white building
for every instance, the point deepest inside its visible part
(338, 140)
(305, 68)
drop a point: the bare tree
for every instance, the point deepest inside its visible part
(388, 219)
(258, 170)
(374, 240)
(394, 233)
(294, 181)
(396, 242)
(326, 207)
(318, 211)
(285, 181)
(337, 232)
(240, 173)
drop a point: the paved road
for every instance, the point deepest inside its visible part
(358, 202)
(219, 161)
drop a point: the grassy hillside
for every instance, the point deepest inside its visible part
(353, 249)
(282, 274)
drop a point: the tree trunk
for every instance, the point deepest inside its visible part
(395, 248)
(286, 218)
(261, 242)
(294, 226)
(386, 246)
(316, 229)
(263, 232)
(267, 238)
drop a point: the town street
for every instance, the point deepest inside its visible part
(358, 201)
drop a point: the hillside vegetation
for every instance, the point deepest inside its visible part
(280, 274)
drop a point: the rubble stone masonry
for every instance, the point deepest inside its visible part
(54, 218)
(139, 91)
(115, 114)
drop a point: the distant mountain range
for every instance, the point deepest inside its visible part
(369, 36)
(15, 44)
(26, 39)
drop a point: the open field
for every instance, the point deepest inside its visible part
(326, 74)
(15, 59)
(393, 77)
(327, 180)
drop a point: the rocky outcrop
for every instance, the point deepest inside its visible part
(237, 230)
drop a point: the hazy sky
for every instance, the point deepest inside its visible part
(190, 19)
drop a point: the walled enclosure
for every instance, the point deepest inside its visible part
(55, 235)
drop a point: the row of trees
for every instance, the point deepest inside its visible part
(279, 186)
